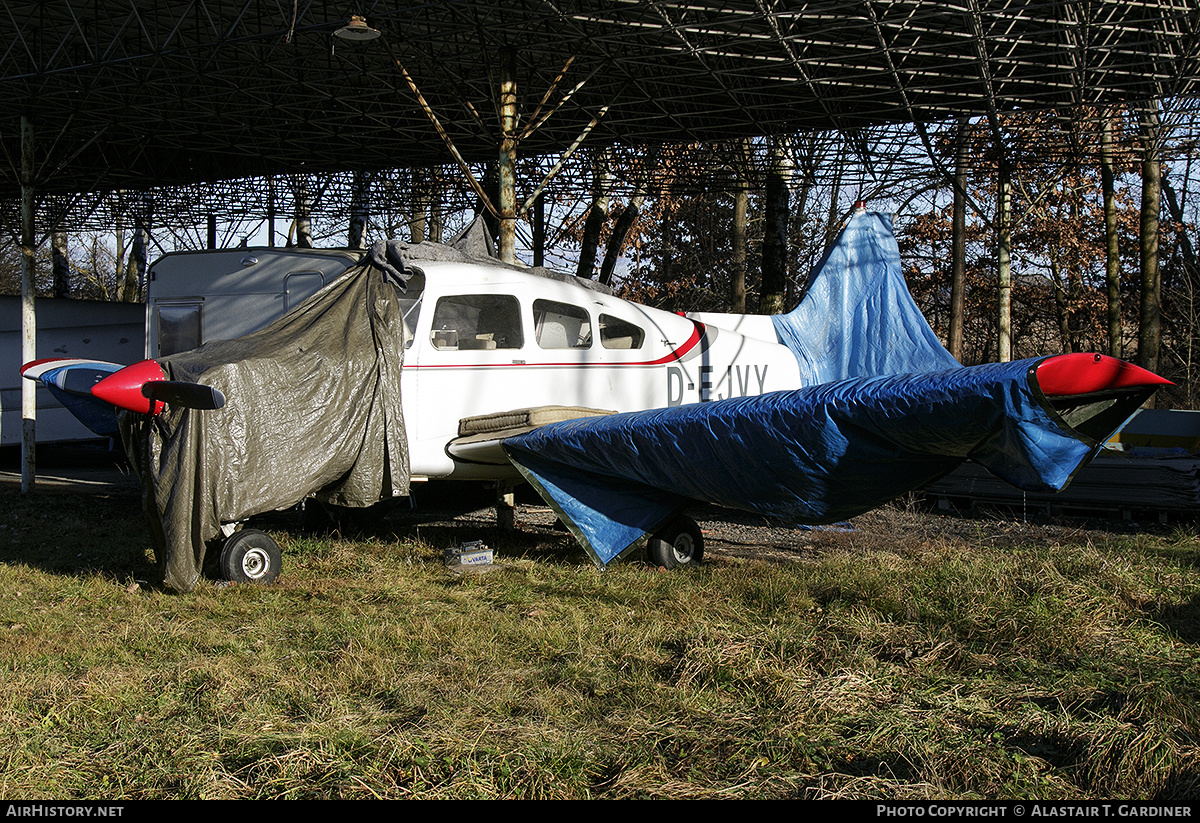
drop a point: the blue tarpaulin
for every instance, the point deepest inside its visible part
(857, 318)
(882, 409)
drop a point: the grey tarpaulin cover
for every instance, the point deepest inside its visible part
(313, 406)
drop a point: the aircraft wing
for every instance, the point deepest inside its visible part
(94, 390)
(824, 453)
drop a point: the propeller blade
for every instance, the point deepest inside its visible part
(189, 395)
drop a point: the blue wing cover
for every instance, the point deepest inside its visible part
(819, 454)
(884, 409)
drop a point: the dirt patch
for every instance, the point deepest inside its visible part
(899, 526)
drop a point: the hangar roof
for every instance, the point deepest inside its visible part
(140, 93)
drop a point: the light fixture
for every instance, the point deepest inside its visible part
(356, 30)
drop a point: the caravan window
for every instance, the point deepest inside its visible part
(561, 325)
(179, 326)
(477, 321)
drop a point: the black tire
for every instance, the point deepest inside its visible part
(677, 545)
(251, 556)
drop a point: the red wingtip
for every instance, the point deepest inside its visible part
(124, 388)
(33, 364)
(1068, 374)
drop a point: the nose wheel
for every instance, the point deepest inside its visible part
(677, 545)
(250, 556)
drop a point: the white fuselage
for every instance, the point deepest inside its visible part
(572, 347)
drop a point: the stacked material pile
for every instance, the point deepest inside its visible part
(1151, 465)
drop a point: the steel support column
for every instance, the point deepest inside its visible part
(28, 315)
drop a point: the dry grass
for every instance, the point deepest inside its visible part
(912, 656)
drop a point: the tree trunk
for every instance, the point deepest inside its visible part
(1191, 271)
(798, 216)
(666, 260)
(356, 235)
(127, 293)
(135, 265)
(435, 224)
(432, 219)
(539, 230)
(590, 243)
(303, 215)
(1004, 264)
(1191, 266)
(737, 277)
(119, 263)
(1061, 306)
(1149, 316)
(98, 276)
(60, 263)
(1112, 262)
(1074, 312)
(958, 245)
(775, 237)
(595, 218)
(271, 212)
(416, 227)
(616, 240)
(506, 163)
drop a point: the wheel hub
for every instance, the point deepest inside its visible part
(683, 548)
(255, 563)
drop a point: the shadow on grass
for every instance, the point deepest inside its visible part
(447, 516)
(72, 533)
(1181, 620)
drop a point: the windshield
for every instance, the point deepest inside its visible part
(410, 305)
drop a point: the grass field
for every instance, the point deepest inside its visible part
(913, 656)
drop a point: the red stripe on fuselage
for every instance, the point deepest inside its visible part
(673, 356)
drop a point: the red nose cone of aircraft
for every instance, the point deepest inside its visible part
(1068, 374)
(124, 388)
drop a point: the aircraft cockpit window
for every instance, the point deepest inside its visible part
(410, 304)
(561, 325)
(477, 321)
(620, 334)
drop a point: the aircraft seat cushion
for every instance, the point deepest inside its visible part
(518, 418)
(470, 343)
(553, 335)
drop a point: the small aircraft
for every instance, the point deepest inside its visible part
(619, 415)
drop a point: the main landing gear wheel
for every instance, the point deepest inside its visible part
(250, 556)
(677, 545)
